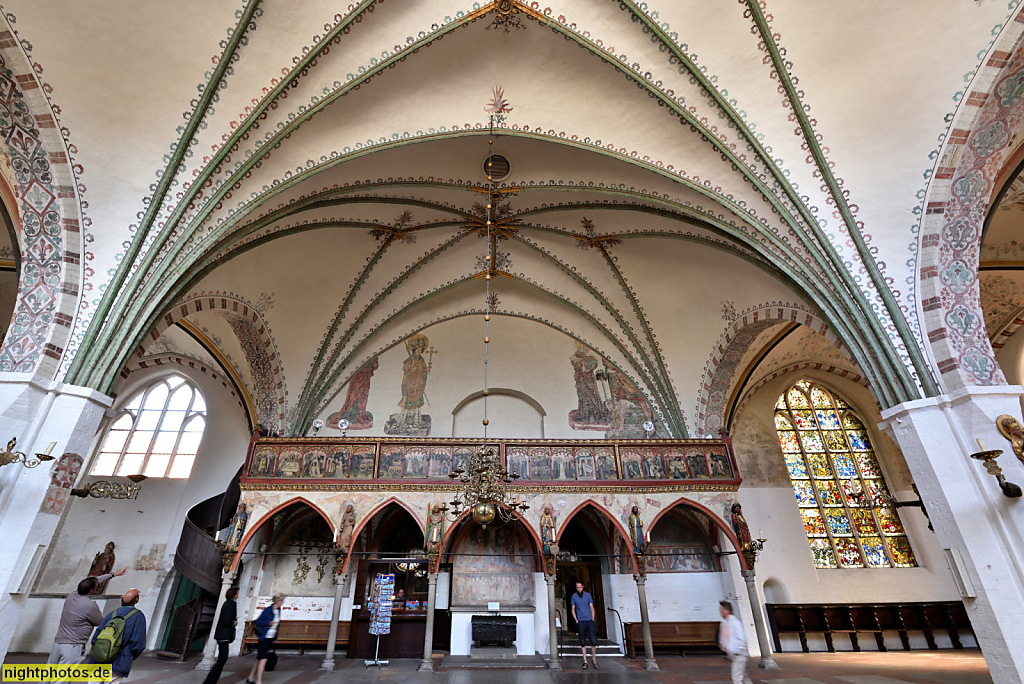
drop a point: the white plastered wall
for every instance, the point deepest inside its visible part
(769, 505)
(145, 531)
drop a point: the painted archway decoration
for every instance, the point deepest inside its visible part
(50, 230)
(731, 346)
(957, 200)
(268, 396)
(255, 525)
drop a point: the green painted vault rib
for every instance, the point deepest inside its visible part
(158, 285)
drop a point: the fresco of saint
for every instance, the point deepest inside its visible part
(590, 412)
(410, 421)
(354, 408)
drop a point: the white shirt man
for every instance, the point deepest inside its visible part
(733, 640)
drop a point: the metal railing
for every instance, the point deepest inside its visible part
(622, 631)
(561, 630)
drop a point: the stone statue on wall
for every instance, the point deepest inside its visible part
(347, 528)
(236, 529)
(636, 530)
(435, 529)
(739, 526)
(547, 532)
(102, 564)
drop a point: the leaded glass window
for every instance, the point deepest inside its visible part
(843, 499)
(157, 433)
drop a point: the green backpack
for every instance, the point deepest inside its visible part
(108, 641)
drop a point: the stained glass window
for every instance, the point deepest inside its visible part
(839, 489)
(157, 433)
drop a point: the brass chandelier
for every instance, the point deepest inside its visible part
(484, 491)
(484, 480)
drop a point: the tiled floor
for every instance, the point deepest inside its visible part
(943, 667)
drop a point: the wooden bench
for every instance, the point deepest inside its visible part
(868, 618)
(675, 635)
(301, 633)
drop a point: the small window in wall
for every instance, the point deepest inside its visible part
(157, 433)
(842, 496)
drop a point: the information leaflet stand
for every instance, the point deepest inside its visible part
(381, 595)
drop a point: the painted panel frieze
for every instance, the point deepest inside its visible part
(566, 462)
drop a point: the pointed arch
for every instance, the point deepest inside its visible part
(253, 333)
(269, 515)
(463, 521)
(361, 524)
(715, 518)
(49, 222)
(959, 193)
(713, 405)
(601, 510)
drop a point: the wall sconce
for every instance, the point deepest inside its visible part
(12, 456)
(317, 424)
(988, 457)
(104, 489)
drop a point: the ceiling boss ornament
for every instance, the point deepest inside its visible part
(484, 481)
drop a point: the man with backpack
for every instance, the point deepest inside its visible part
(121, 637)
(78, 617)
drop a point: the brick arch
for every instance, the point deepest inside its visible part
(255, 526)
(255, 339)
(48, 223)
(961, 188)
(731, 346)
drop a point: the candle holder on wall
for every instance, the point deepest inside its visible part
(988, 457)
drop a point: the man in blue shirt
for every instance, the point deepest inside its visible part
(133, 640)
(583, 613)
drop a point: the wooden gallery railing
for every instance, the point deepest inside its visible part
(319, 462)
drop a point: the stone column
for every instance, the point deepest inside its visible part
(428, 638)
(340, 592)
(641, 590)
(553, 662)
(210, 650)
(980, 530)
(767, 663)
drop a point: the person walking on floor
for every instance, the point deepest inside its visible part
(583, 613)
(266, 626)
(733, 640)
(133, 638)
(224, 634)
(77, 619)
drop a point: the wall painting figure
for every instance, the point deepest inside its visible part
(590, 413)
(410, 421)
(630, 408)
(354, 408)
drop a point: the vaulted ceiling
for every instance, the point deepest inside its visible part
(670, 163)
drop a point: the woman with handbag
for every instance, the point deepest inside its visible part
(266, 626)
(224, 634)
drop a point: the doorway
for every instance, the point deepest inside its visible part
(589, 573)
(580, 559)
